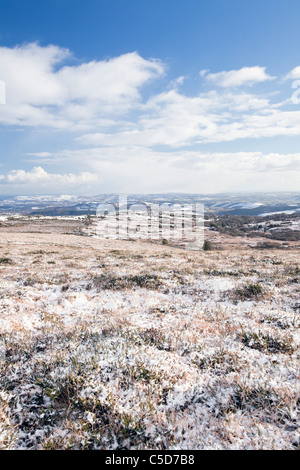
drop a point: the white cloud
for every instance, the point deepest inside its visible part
(42, 91)
(94, 100)
(236, 78)
(294, 74)
(38, 175)
(172, 119)
(29, 74)
(2, 92)
(121, 130)
(134, 169)
(112, 81)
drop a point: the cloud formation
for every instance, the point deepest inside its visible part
(174, 120)
(96, 100)
(237, 78)
(38, 175)
(122, 132)
(294, 74)
(141, 169)
(42, 91)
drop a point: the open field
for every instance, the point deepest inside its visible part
(110, 344)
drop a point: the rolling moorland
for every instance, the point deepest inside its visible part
(121, 344)
(233, 204)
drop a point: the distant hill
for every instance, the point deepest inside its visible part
(227, 203)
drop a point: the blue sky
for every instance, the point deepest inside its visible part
(149, 96)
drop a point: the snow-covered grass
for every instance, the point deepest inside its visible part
(128, 345)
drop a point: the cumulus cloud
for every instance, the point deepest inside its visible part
(237, 78)
(94, 99)
(30, 75)
(42, 90)
(39, 175)
(294, 74)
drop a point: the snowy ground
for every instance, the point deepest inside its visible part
(111, 344)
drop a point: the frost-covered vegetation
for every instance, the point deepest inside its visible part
(128, 345)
